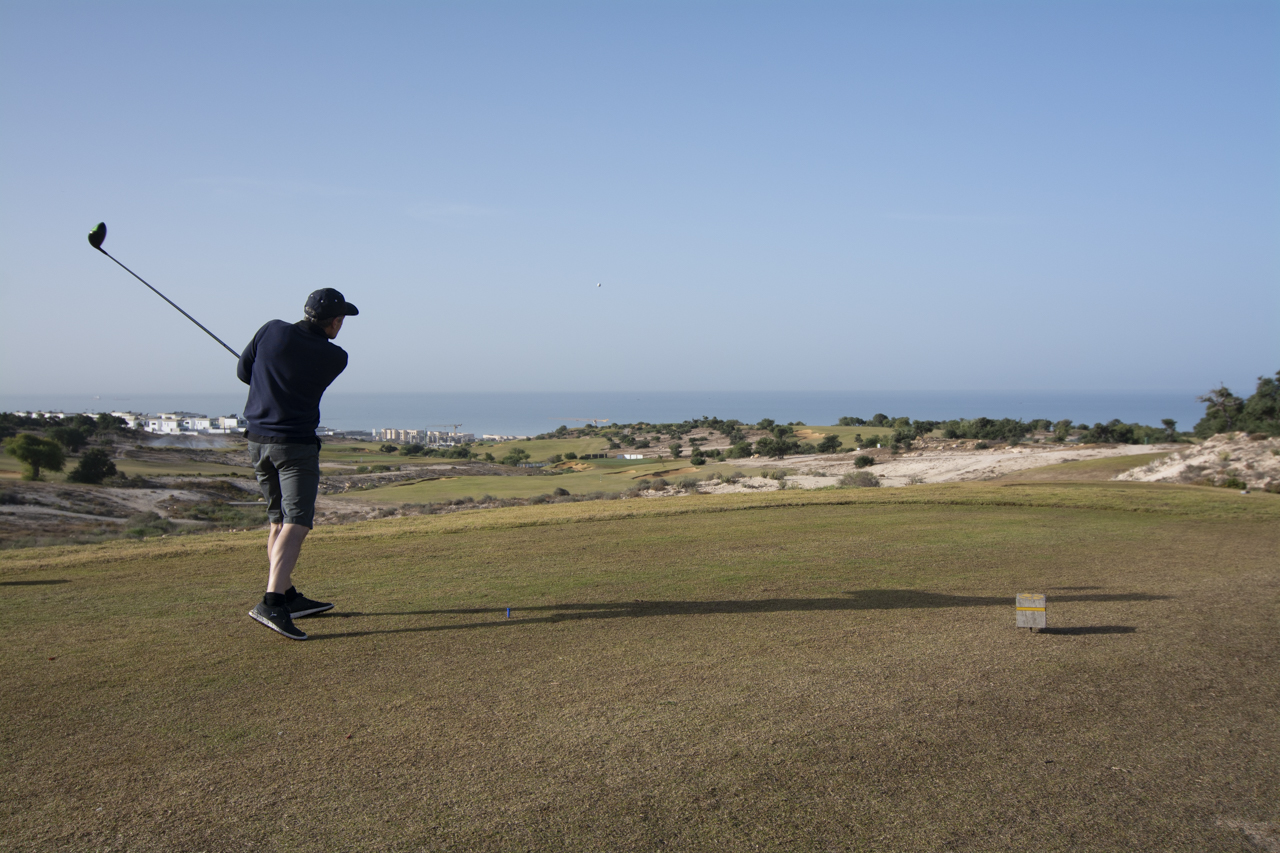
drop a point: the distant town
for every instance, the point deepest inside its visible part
(191, 423)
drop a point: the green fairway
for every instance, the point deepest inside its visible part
(179, 467)
(810, 671)
(360, 453)
(603, 475)
(1083, 470)
(541, 450)
(870, 435)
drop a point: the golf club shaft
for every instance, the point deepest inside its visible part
(171, 302)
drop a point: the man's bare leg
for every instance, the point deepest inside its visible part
(284, 543)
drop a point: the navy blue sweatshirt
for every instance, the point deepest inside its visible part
(287, 367)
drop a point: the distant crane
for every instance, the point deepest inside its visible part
(453, 428)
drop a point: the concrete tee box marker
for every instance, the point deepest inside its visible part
(1031, 610)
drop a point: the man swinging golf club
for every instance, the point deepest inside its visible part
(287, 367)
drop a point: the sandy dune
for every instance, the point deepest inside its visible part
(949, 463)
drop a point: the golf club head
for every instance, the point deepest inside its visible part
(97, 235)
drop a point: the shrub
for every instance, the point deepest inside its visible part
(689, 485)
(388, 448)
(981, 445)
(362, 469)
(859, 480)
(829, 444)
(124, 481)
(659, 484)
(561, 493)
(571, 455)
(95, 466)
(863, 461)
(146, 524)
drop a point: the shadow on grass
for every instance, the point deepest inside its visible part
(32, 583)
(868, 599)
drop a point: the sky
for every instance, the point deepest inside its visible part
(650, 196)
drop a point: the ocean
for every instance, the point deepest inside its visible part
(531, 413)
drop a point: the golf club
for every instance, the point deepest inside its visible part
(99, 234)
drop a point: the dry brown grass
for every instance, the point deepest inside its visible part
(798, 671)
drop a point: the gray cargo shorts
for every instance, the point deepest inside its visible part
(289, 476)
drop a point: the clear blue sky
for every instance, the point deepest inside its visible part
(814, 196)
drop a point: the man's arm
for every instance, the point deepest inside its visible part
(244, 368)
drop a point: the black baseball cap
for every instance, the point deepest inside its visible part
(327, 303)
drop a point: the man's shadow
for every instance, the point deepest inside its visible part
(867, 599)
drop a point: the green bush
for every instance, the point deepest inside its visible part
(95, 466)
(863, 461)
(71, 438)
(515, 456)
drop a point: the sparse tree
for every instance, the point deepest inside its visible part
(675, 447)
(1222, 410)
(829, 444)
(36, 453)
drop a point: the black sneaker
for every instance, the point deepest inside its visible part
(277, 619)
(299, 605)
